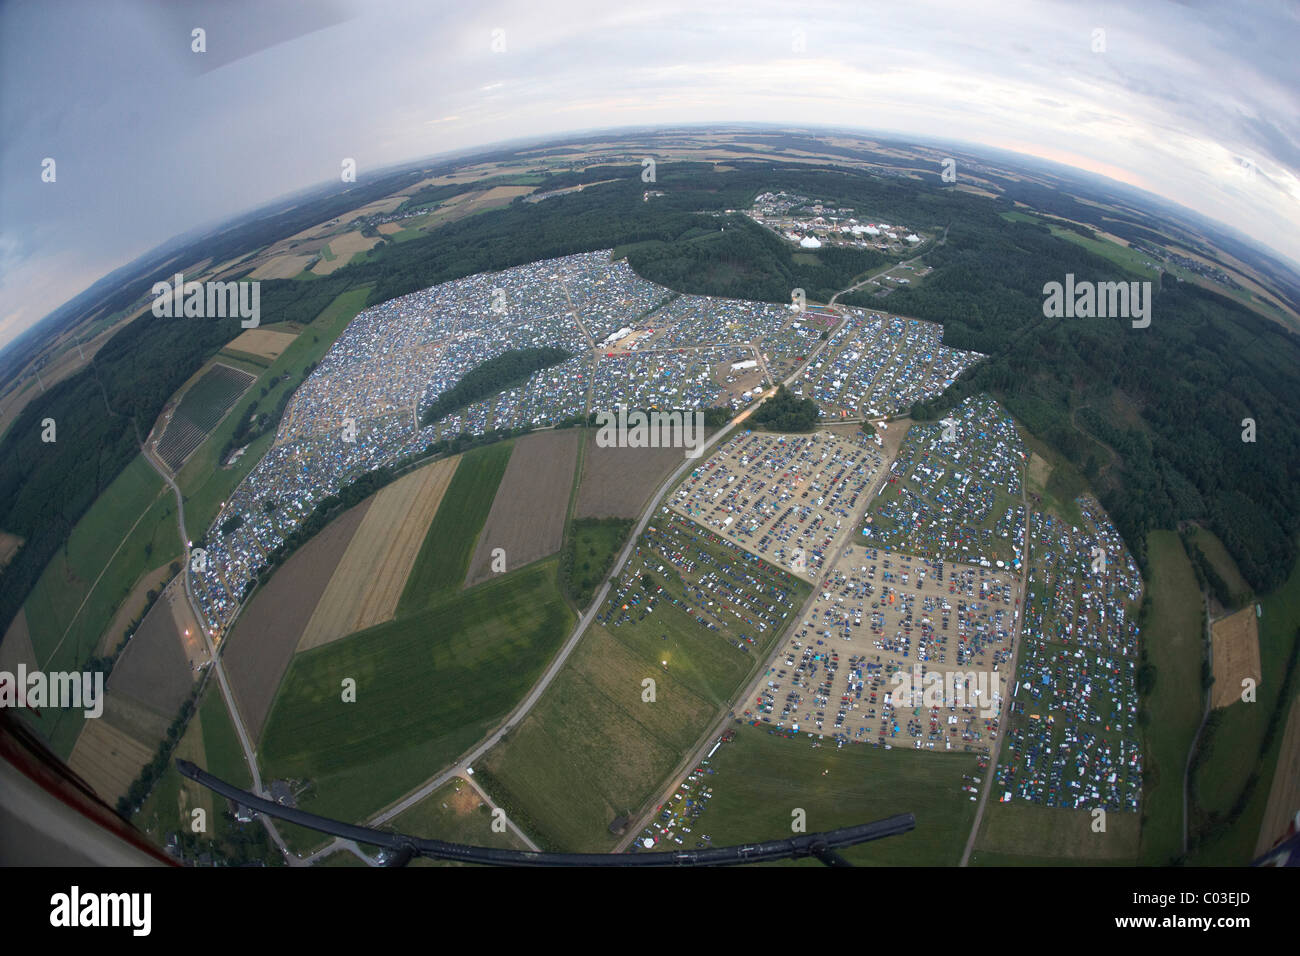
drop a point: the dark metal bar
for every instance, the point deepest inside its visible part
(818, 845)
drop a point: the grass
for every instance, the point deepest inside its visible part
(429, 686)
(225, 758)
(1030, 835)
(202, 481)
(1173, 639)
(454, 813)
(133, 513)
(1234, 752)
(594, 747)
(444, 557)
(760, 778)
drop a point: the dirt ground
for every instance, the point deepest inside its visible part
(153, 670)
(108, 759)
(366, 585)
(617, 482)
(527, 516)
(1235, 648)
(263, 342)
(1284, 796)
(267, 631)
(130, 608)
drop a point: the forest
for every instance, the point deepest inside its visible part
(494, 375)
(1152, 416)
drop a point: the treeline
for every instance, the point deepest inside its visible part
(1208, 577)
(143, 785)
(487, 378)
(1210, 825)
(784, 412)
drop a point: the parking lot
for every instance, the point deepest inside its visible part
(875, 615)
(788, 498)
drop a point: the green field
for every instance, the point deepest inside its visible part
(454, 813)
(129, 531)
(429, 686)
(1173, 641)
(760, 778)
(449, 544)
(1234, 748)
(221, 743)
(1026, 834)
(593, 748)
(203, 482)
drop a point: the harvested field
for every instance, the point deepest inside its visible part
(1284, 796)
(343, 247)
(280, 267)
(267, 632)
(617, 482)
(154, 670)
(108, 759)
(261, 342)
(388, 228)
(130, 609)
(9, 545)
(527, 516)
(1235, 649)
(365, 587)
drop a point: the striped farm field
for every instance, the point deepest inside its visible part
(444, 557)
(366, 585)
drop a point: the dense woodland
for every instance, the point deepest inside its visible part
(487, 378)
(783, 412)
(1152, 416)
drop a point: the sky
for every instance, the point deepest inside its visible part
(1196, 102)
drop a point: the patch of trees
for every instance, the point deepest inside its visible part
(784, 412)
(1208, 577)
(487, 378)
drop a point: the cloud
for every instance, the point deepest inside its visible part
(152, 140)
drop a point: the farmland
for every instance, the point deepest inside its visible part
(1235, 654)
(617, 481)
(428, 686)
(366, 584)
(262, 345)
(760, 778)
(595, 747)
(445, 555)
(1173, 637)
(527, 516)
(257, 651)
(199, 410)
(202, 480)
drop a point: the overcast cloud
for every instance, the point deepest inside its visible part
(152, 140)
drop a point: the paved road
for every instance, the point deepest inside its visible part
(245, 742)
(527, 704)
(1004, 719)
